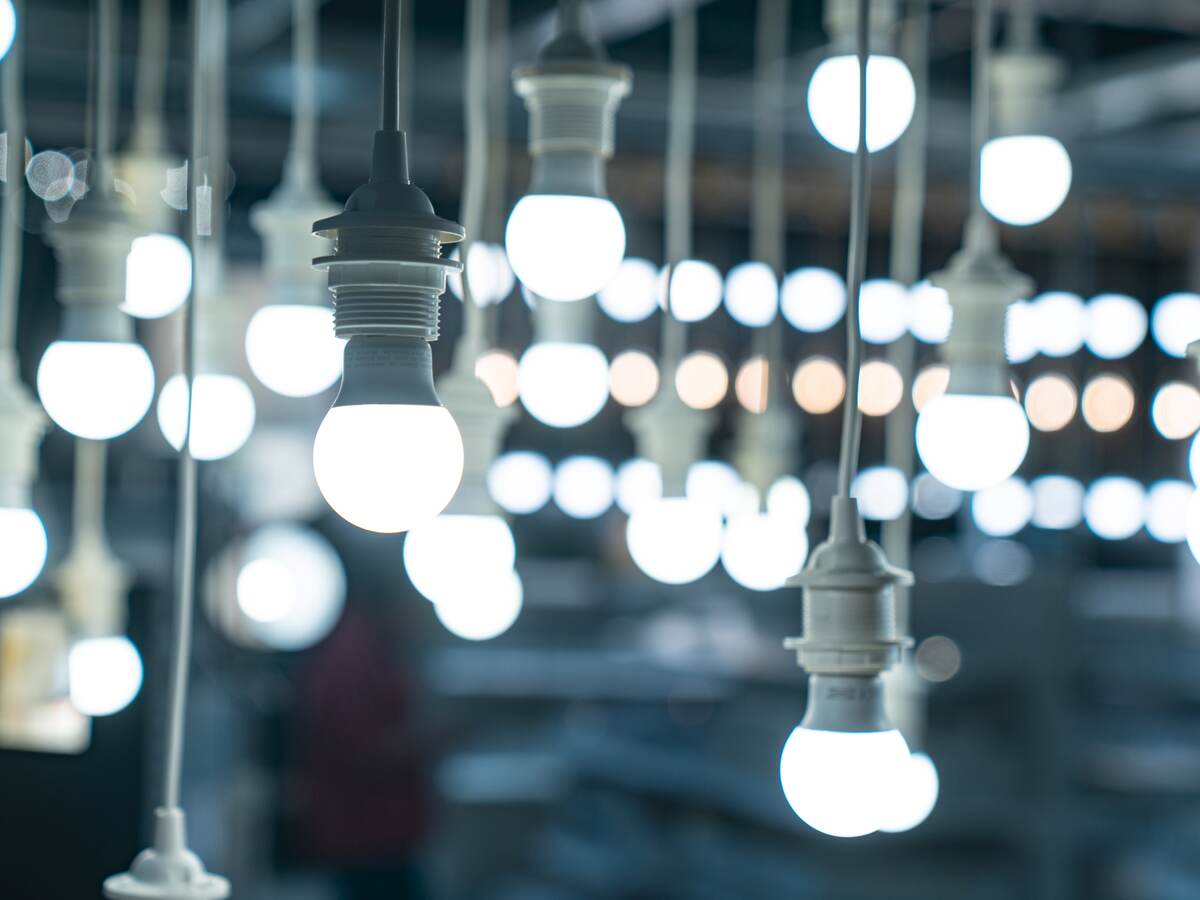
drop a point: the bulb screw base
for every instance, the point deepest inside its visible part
(385, 369)
(850, 704)
(168, 870)
(91, 247)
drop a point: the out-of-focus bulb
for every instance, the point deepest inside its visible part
(485, 613)
(972, 442)
(914, 796)
(674, 540)
(562, 384)
(1024, 178)
(453, 557)
(292, 349)
(833, 101)
(22, 549)
(8, 26)
(565, 247)
(158, 276)
(104, 675)
(96, 389)
(223, 414)
(761, 550)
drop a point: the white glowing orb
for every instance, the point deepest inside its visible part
(833, 101)
(914, 795)
(638, 481)
(487, 613)
(584, 486)
(158, 276)
(223, 414)
(385, 467)
(631, 295)
(761, 551)
(292, 349)
(696, 288)
(520, 481)
(842, 784)
(1003, 509)
(488, 272)
(675, 540)
(564, 247)
(882, 493)
(1115, 507)
(789, 499)
(1024, 178)
(22, 549)
(95, 389)
(1020, 332)
(933, 500)
(930, 313)
(813, 299)
(716, 484)
(103, 675)
(1167, 510)
(291, 586)
(883, 311)
(448, 557)
(752, 294)
(1060, 322)
(1116, 325)
(1175, 323)
(1057, 502)
(8, 26)
(972, 442)
(563, 385)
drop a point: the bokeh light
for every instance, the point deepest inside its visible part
(882, 492)
(1167, 504)
(1108, 403)
(938, 658)
(1060, 323)
(752, 385)
(1050, 402)
(1020, 332)
(632, 293)
(633, 378)
(1057, 502)
(933, 500)
(696, 289)
(751, 294)
(883, 310)
(1114, 507)
(1175, 323)
(1004, 509)
(1116, 325)
(702, 380)
(880, 388)
(520, 481)
(813, 299)
(497, 369)
(1175, 410)
(930, 313)
(638, 481)
(930, 382)
(819, 385)
(584, 486)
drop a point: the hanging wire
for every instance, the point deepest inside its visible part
(14, 195)
(860, 196)
(104, 109)
(87, 508)
(389, 117)
(496, 183)
(151, 82)
(475, 110)
(981, 107)
(187, 510)
(302, 153)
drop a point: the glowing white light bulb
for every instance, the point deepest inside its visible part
(674, 540)
(223, 414)
(95, 389)
(972, 442)
(486, 613)
(632, 293)
(22, 549)
(8, 26)
(292, 349)
(761, 551)
(564, 247)
(1024, 178)
(520, 481)
(833, 101)
(914, 795)
(450, 557)
(158, 276)
(104, 675)
(562, 384)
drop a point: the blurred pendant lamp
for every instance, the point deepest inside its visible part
(833, 90)
(841, 766)
(22, 424)
(95, 381)
(222, 407)
(158, 272)
(168, 870)
(481, 598)
(675, 539)
(562, 377)
(907, 703)
(763, 547)
(565, 238)
(388, 456)
(976, 434)
(104, 668)
(1026, 172)
(290, 345)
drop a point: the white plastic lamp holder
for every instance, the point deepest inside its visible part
(766, 445)
(168, 870)
(565, 238)
(388, 455)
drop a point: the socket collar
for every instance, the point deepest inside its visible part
(168, 870)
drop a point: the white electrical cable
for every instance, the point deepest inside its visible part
(860, 196)
(301, 166)
(105, 105)
(981, 111)
(475, 106)
(87, 508)
(14, 194)
(151, 82)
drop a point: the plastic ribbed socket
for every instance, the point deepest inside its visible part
(22, 426)
(672, 435)
(168, 870)
(146, 175)
(766, 445)
(1023, 86)
(482, 425)
(93, 585)
(288, 242)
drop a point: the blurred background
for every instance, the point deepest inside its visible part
(603, 735)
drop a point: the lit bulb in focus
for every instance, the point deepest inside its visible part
(292, 349)
(223, 414)
(104, 675)
(563, 384)
(761, 551)
(158, 276)
(914, 795)
(95, 389)
(453, 558)
(1024, 178)
(972, 442)
(22, 549)
(833, 101)
(674, 540)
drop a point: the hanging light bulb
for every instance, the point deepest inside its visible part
(833, 90)
(562, 378)
(565, 238)
(22, 535)
(8, 26)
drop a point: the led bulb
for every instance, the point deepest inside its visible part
(565, 247)
(95, 389)
(1024, 178)
(452, 557)
(674, 540)
(158, 276)
(563, 384)
(913, 796)
(8, 26)
(22, 549)
(833, 101)
(485, 613)
(223, 414)
(762, 551)
(104, 675)
(972, 442)
(292, 349)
